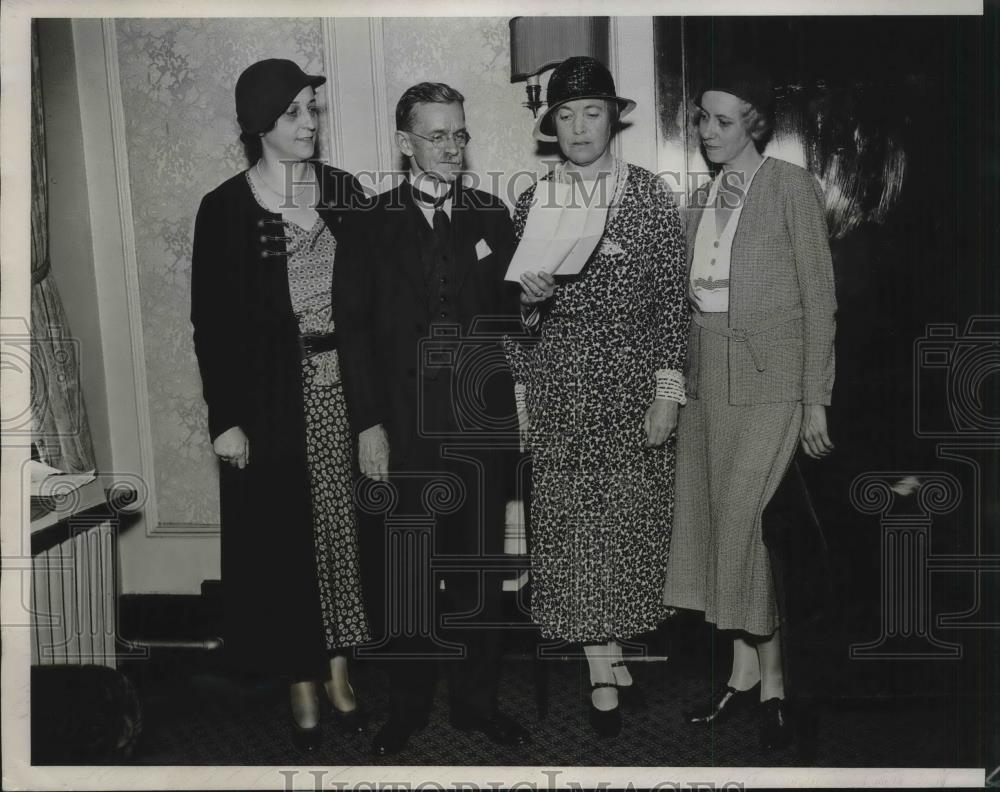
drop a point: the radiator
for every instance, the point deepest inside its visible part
(73, 598)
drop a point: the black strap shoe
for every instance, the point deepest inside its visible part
(775, 726)
(607, 723)
(631, 696)
(498, 728)
(726, 703)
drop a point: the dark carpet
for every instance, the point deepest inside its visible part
(195, 714)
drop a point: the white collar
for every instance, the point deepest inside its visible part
(425, 203)
(713, 190)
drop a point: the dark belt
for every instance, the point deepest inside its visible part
(313, 343)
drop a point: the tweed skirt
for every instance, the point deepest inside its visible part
(730, 460)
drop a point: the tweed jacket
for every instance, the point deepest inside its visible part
(781, 292)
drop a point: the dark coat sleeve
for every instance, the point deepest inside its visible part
(216, 315)
(354, 318)
(507, 305)
(504, 244)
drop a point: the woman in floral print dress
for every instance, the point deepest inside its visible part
(602, 388)
(261, 276)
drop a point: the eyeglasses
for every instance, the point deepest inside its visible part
(439, 140)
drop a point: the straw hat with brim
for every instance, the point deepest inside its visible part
(265, 89)
(579, 77)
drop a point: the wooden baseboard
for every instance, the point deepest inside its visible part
(171, 617)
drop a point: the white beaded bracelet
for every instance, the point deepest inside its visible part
(670, 385)
(522, 414)
(519, 397)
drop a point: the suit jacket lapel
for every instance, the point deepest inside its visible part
(334, 200)
(403, 242)
(751, 216)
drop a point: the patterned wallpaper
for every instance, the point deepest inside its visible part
(472, 55)
(177, 79)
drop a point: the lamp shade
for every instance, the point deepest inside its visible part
(537, 43)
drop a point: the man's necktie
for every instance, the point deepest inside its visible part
(442, 224)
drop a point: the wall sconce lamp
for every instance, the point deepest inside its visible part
(539, 43)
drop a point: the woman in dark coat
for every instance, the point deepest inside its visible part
(262, 271)
(759, 380)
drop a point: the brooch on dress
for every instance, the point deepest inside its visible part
(611, 248)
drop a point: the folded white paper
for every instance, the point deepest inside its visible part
(564, 225)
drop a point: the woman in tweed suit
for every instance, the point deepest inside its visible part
(759, 378)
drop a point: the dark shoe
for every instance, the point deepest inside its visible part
(498, 728)
(393, 736)
(726, 703)
(354, 722)
(775, 727)
(631, 696)
(607, 723)
(306, 740)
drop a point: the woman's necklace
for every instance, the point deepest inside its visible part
(281, 194)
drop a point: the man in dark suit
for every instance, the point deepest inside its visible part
(417, 288)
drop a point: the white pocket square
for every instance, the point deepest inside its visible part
(482, 250)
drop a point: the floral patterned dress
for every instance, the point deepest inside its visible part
(602, 501)
(328, 440)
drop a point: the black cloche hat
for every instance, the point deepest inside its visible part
(579, 77)
(743, 80)
(265, 89)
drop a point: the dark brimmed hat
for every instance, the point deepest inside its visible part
(265, 90)
(579, 77)
(743, 80)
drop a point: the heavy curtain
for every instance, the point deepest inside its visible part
(60, 430)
